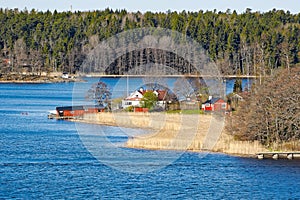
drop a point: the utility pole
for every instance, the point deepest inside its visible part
(224, 81)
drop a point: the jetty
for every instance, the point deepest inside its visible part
(277, 155)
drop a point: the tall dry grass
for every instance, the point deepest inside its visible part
(175, 132)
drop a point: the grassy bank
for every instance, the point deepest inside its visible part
(176, 132)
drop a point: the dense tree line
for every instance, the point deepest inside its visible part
(271, 111)
(249, 43)
(135, 60)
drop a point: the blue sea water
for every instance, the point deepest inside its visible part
(47, 159)
(121, 86)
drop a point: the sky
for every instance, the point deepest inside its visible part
(153, 5)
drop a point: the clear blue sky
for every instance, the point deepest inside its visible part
(154, 5)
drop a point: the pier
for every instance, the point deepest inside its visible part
(278, 155)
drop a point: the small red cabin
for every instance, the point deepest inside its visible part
(214, 104)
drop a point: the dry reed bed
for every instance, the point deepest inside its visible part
(175, 132)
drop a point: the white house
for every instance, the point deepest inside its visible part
(134, 99)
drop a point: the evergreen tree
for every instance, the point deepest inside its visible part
(237, 87)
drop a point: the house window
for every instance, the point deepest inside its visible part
(207, 105)
(128, 103)
(223, 105)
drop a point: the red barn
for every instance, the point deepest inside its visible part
(214, 104)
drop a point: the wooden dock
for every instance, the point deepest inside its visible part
(277, 155)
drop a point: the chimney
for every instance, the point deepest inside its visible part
(210, 97)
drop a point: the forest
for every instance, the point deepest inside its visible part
(250, 43)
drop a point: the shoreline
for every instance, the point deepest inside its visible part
(52, 77)
(40, 81)
(171, 133)
(33, 82)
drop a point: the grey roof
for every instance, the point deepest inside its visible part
(212, 101)
(71, 108)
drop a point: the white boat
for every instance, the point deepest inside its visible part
(52, 114)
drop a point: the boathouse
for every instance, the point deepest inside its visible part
(74, 111)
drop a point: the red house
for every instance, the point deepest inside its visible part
(214, 104)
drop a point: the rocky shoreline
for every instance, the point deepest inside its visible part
(19, 78)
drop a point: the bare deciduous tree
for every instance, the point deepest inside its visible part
(272, 114)
(100, 92)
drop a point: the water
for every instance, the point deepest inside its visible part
(120, 87)
(46, 159)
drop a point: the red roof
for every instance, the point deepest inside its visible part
(161, 95)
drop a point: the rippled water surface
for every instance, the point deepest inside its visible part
(46, 159)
